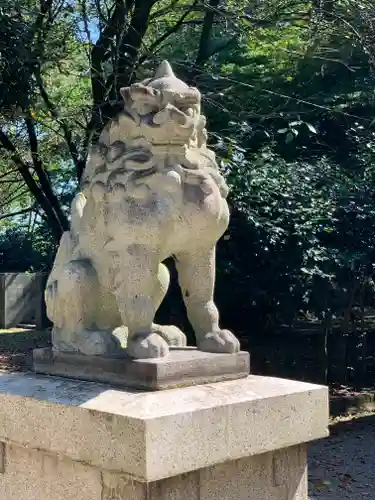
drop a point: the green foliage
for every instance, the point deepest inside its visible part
(14, 45)
(309, 237)
(25, 251)
(297, 141)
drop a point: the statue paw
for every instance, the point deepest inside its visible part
(222, 341)
(171, 334)
(87, 342)
(144, 346)
(97, 343)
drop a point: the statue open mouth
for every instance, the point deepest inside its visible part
(172, 142)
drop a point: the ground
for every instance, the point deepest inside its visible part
(17, 344)
(342, 466)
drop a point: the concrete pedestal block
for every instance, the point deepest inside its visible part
(71, 440)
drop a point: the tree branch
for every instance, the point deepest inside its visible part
(14, 196)
(42, 176)
(99, 54)
(103, 109)
(11, 171)
(30, 182)
(132, 42)
(19, 212)
(169, 32)
(64, 126)
(203, 52)
(43, 21)
(100, 50)
(83, 6)
(165, 10)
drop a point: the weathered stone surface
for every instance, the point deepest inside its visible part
(253, 478)
(150, 436)
(151, 190)
(38, 475)
(21, 299)
(182, 368)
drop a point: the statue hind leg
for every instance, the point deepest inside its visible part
(73, 300)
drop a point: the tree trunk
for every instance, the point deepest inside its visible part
(57, 225)
(204, 42)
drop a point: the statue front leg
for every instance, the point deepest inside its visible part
(135, 287)
(196, 275)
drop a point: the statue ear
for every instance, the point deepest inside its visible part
(125, 94)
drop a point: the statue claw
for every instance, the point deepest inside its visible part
(149, 345)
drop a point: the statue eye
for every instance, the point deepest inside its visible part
(187, 111)
(145, 109)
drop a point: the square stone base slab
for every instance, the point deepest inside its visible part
(183, 367)
(147, 437)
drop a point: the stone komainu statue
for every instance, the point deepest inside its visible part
(151, 189)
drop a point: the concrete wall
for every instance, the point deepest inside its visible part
(22, 299)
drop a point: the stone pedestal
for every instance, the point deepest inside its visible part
(246, 439)
(183, 367)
